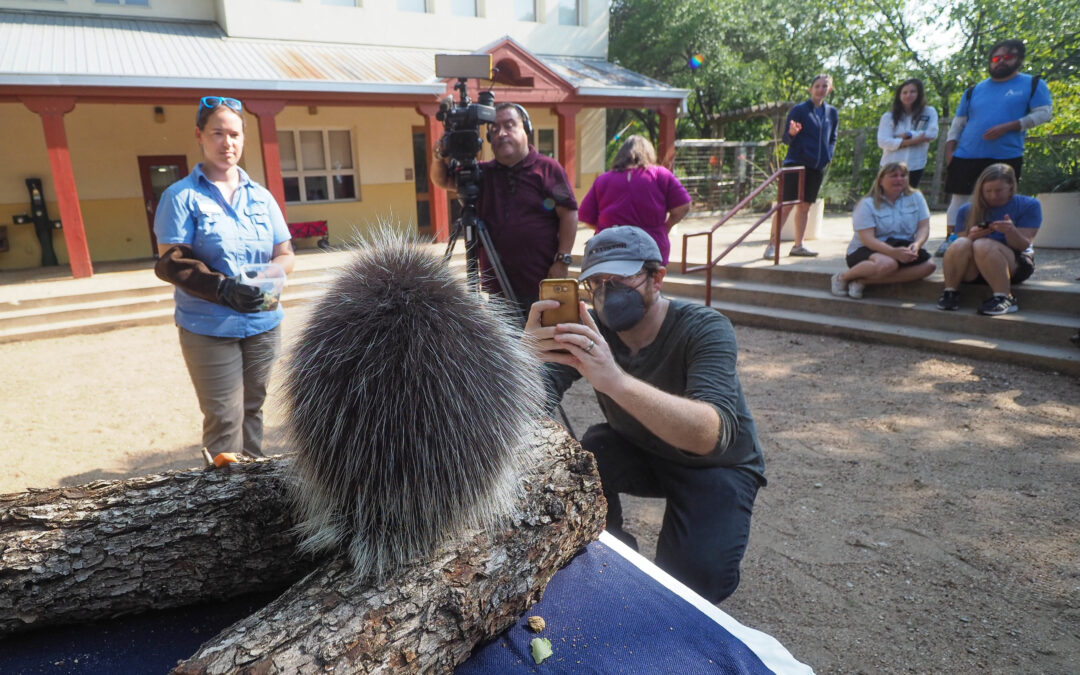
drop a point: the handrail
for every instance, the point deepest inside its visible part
(774, 237)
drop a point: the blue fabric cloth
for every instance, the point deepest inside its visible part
(994, 103)
(224, 236)
(1024, 211)
(604, 615)
(899, 219)
(813, 146)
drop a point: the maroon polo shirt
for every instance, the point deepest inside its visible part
(518, 205)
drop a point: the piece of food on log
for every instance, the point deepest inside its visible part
(119, 547)
(431, 613)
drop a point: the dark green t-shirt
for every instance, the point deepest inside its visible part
(693, 356)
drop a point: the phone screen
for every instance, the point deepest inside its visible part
(566, 292)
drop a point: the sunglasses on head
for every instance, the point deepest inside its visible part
(1002, 57)
(212, 102)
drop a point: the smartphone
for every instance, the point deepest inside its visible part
(566, 292)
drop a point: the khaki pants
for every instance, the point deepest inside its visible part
(230, 377)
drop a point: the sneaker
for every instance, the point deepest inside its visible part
(770, 252)
(802, 252)
(838, 288)
(949, 300)
(855, 289)
(999, 304)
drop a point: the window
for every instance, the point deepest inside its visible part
(525, 10)
(340, 3)
(545, 142)
(317, 165)
(570, 12)
(463, 7)
(412, 5)
(139, 3)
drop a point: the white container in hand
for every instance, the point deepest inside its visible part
(268, 277)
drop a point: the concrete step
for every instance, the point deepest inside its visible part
(1063, 359)
(1050, 328)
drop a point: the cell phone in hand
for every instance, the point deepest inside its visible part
(566, 292)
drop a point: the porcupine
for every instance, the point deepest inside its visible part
(407, 400)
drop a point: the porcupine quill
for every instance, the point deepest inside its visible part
(407, 400)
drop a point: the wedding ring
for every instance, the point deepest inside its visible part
(590, 347)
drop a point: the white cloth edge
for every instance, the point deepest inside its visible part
(767, 648)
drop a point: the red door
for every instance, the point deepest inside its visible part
(158, 172)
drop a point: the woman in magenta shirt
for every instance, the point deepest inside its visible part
(637, 191)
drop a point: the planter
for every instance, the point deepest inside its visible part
(813, 223)
(1061, 220)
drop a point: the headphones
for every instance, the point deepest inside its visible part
(526, 123)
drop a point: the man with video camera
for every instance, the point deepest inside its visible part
(527, 203)
(677, 424)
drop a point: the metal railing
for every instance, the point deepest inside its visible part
(778, 178)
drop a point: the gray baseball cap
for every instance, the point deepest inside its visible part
(619, 250)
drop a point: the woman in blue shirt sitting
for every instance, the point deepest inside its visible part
(891, 225)
(995, 247)
(209, 225)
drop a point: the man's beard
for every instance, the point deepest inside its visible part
(1005, 70)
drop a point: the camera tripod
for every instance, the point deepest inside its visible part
(477, 235)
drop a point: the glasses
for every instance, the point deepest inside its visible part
(595, 285)
(1002, 57)
(212, 102)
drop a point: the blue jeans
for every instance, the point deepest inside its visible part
(707, 519)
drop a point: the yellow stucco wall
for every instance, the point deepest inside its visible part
(107, 140)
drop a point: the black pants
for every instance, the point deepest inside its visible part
(707, 519)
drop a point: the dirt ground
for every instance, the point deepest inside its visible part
(921, 515)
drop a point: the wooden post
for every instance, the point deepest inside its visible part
(567, 115)
(857, 160)
(440, 211)
(52, 109)
(271, 154)
(665, 154)
(937, 184)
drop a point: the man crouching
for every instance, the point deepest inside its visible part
(677, 424)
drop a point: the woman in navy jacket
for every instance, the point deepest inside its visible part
(810, 134)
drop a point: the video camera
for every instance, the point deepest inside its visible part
(462, 140)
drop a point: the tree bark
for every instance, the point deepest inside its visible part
(430, 615)
(118, 547)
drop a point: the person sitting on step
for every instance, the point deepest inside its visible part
(995, 247)
(892, 224)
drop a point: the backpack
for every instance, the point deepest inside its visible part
(1034, 84)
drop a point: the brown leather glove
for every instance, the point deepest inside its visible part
(180, 267)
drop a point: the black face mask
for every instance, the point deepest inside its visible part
(619, 307)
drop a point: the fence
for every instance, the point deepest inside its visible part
(718, 174)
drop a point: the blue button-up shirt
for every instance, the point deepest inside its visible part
(898, 220)
(224, 236)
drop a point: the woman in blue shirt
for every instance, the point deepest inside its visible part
(810, 134)
(995, 247)
(891, 225)
(208, 226)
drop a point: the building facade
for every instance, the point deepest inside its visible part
(98, 99)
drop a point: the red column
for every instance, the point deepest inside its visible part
(567, 114)
(666, 152)
(52, 110)
(440, 212)
(271, 154)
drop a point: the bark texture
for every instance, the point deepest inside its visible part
(117, 547)
(430, 615)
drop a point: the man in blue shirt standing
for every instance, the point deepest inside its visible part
(990, 125)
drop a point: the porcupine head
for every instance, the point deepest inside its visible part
(408, 399)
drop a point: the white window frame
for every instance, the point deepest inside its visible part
(554, 137)
(426, 10)
(535, 13)
(580, 7)
(474, 15)
(300, 173)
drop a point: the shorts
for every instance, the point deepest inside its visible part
(961, 173)
(914, 177)
(1025, 267)
(813, 178)
(863, 253)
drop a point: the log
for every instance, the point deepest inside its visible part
(430, 615)
(111, 548)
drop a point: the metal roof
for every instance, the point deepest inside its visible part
(60, 49)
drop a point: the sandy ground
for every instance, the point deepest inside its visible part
(921, 516)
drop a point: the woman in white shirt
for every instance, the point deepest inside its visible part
(891, 225)
(904, 133)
